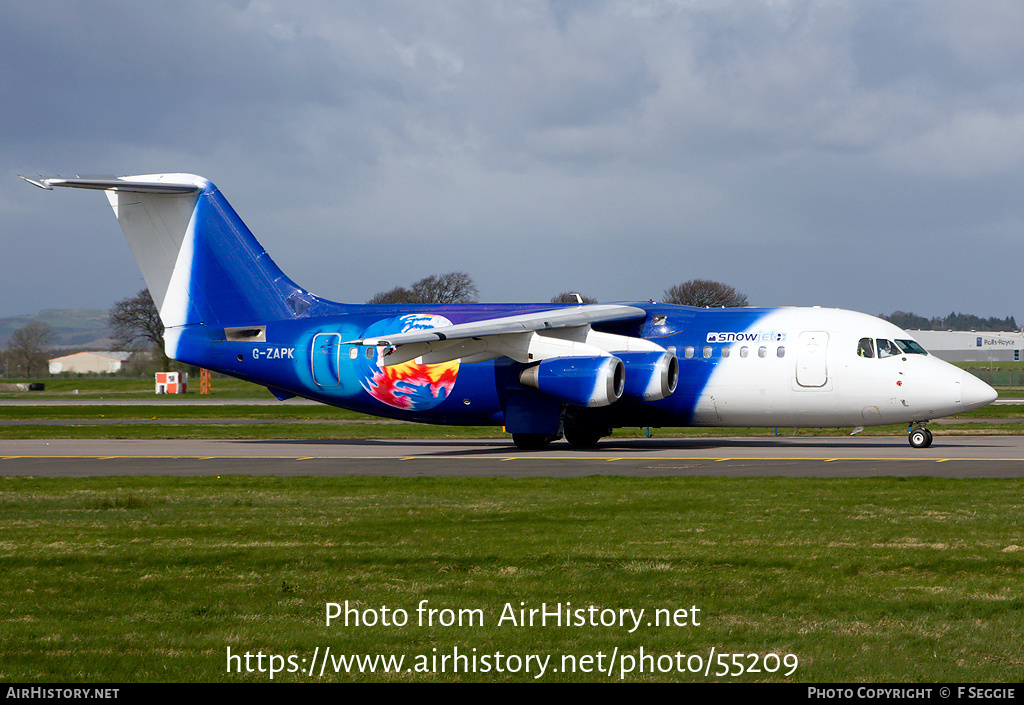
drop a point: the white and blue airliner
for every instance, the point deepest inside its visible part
(543, 371)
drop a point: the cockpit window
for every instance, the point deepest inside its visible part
(911, 347)
(865, 348)
(887, 348)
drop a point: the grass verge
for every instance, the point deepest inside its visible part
(154, 579)
(324, 422)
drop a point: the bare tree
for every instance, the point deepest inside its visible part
(27, 345)
(136, 324)
(450, 288)
(569, 297)
(703, 292)
(398, 295)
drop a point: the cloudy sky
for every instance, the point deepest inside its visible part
(859, 154)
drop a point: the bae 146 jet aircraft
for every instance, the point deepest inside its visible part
(543, 371)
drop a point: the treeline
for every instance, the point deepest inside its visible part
(954, 321)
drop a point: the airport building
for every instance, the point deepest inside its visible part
(971, 346)
(105, 361)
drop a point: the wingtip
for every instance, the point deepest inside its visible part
(41, 183)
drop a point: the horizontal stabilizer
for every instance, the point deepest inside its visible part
(201, 263)
(157, 183)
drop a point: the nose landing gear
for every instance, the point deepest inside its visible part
(919, 436)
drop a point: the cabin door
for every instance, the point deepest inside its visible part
(326, 359)
(812, 359)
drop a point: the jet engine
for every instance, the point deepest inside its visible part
(583, 381)
(650, 375)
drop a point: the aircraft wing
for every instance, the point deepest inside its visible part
(514, 336)
(523, 323)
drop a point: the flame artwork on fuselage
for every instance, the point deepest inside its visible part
(409, 385)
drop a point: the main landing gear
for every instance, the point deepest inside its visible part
(919, 436)
(584, 437)
(581, 436)
(534, 441)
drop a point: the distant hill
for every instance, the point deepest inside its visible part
(75, 328)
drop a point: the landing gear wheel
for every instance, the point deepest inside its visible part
(531, 441)
(582, 437)
(920, 437)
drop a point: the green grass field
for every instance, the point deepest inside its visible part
(108, 386)
(154, 579)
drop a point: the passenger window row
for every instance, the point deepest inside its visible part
(726, 351)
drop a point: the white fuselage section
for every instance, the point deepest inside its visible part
(829, 367)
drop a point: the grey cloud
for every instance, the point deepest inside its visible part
(785, 147)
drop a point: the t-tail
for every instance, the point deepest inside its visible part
(203, 266)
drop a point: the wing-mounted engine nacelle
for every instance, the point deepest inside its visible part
(583, 381)
(650, 375)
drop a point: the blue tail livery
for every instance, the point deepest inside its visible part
(543, 371)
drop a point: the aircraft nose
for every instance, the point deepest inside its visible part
(974, 393)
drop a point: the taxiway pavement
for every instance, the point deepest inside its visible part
(963, 456)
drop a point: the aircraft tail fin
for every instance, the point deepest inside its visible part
(201, 263)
